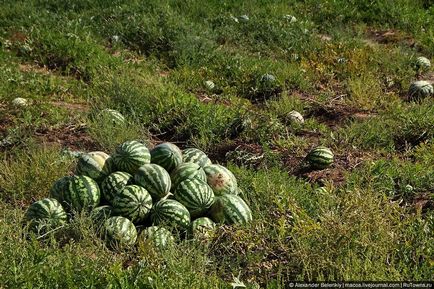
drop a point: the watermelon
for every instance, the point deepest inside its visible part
(119, 232)
(155, 179)
(114, 183)
(290, 18)
(96, 165)
(45, 215)
(221, 180)
(170, 212)
(194, 155)
(209, 85)
(295, 116)
(187, 171)
(133, 202)
(166, 155)
(20, 102)
(100, 214)
(422, 63)
(59, 187)
(195, 195)
(113, 116)
(319, 158)
(230, 209)
(420, 89)
(202, 228)
(159, 237)
(268, 79)
(243, 18)
(131, 155)
(81, 193)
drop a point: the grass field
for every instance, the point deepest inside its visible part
(345, 65)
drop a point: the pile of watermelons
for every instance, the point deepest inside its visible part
(156, 190)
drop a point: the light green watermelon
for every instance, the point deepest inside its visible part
(420, 89)
(230, 209)
(202, 228)
(131, 155)
(160, 237)
(171, 212)
(45, 215)
(319, 158)
(187, 171)
(81, 193)
(119, 232)
(221, 180)
(195, 195)
(113, 116)
(166, 155)
(155, 179)
(114, 184)
(96, 165)
(133, 202)
(194, 155)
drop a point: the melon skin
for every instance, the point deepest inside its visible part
(166, 155)
(221, 180)
(187, 171)
(195, 195)
(119, 232)
(81, 194)
(59, 187)
(113, 115)
(420, 89)
(96, 165)
(155, 179)
(170, 212)
(202, 229)
(100, 214)
(159, 237)
(130, 156)
(230, 209)
(194, 155)
(114, 184)
(45, 215)
(133, 202)
(320, 158)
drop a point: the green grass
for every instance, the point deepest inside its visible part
(344, 65)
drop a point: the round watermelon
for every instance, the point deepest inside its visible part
(155, 179)
(113, 116)
(133, 202)
(166, 155)
(119, 232)
(158, 236)
(81, 193)
(45, 215)
(171, 212)
(420, 89)
(59, 186)
(221, 180)
(131, 155)
(20, 102)
(114, 183)
(230, 209)
(187, 171)
(296, 117)
(423, 63)
(100, 214)
(96, 165)
(319, 158)
(194, 155)
(195, 195)
(202, 228)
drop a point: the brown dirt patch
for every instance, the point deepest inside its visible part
(390, 36)
(74, 137)
(28, 67)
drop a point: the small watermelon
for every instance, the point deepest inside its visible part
(160, 237)
(96, 165)
(45, 215)
(133, 202)
(119, 232)
(58, 188)
(202, 228)
(295, 116)
(194, 155)
(230, 209)
(423, 63)
(420, 89)
(114, 184)
(167, 211)
(81, 193)
(113, 116)
(221, 180)
(100, 214)
(20, 102)
(166, 155)
(195, 195)
(319, 158)
(187, 171)
(155, 179)
(131, 155)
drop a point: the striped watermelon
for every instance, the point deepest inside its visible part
(420, 89)
(159, 237)
(114, 183)
(133, 202)
(96, 165)
(170, 212)
(113, 116)
(100, 214)
(423, 63)
(221, 180)
(81, 193)
(194, 155)
(166, 155)
(202, 228)
(230, 209)
(195, 195)
(45, 215)
(58, 188)
(155, 179)
(131, 155)
(20, 102)
(319, 158)
(119, 232)
(187, 171)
